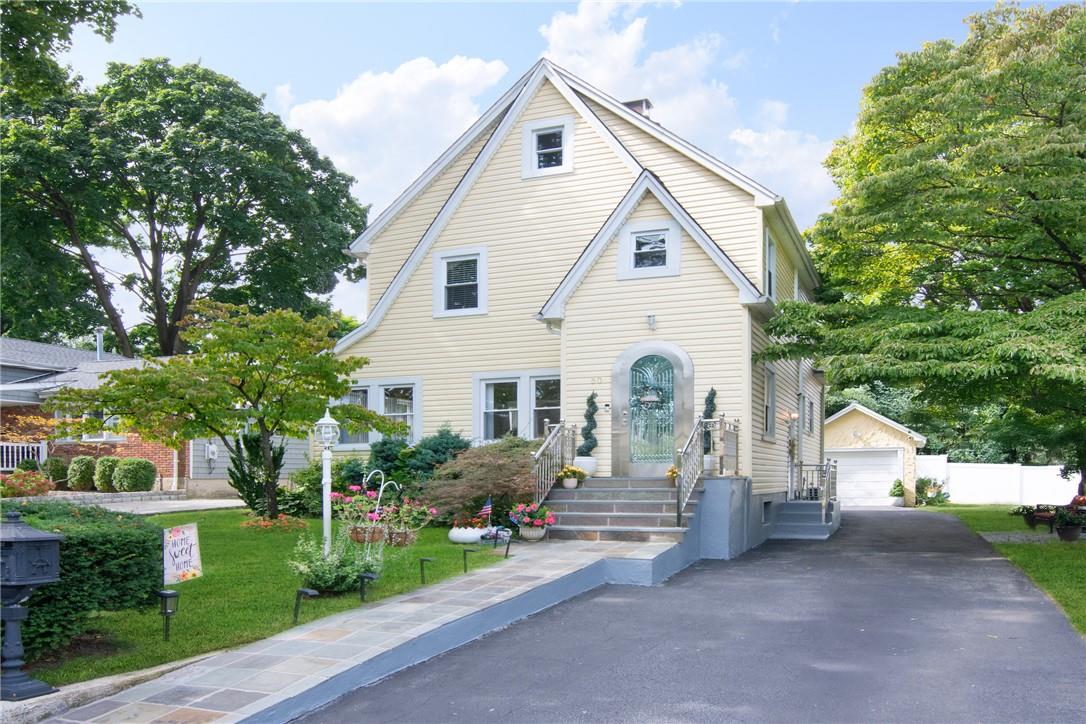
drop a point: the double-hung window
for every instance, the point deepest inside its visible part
(548, 146)
(769, 424)
(357, 396)
(109, 427)
(460, 282)
(397, 399)
(398, 405)
(501, 415)
(546, 404)
(516, 403)
(649, 248)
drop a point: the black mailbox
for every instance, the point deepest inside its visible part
(28, 558)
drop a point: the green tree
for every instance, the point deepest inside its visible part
(1033, 363)
(272, 373)
(185, 172)
(964, 183)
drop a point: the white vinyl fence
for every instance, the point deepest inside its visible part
(998, 483)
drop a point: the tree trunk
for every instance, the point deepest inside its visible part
(271, 475)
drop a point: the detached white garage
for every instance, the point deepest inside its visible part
(872, 451)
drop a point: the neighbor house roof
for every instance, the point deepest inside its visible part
(920, 440)
(87, 376)
(38, 355)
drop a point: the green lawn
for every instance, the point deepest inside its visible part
(1058, 568)
(246, 593)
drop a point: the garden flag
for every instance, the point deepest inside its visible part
(181, 554)
(488, 508)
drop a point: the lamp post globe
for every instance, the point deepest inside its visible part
(327, 432)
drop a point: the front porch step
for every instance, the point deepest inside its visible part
(629, 483)
(604, 520)
(616, 533)
(618, 506)
(661, 495)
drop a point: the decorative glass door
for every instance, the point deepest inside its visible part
(652, 411)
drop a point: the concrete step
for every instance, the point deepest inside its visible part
(662, 495)
(616, 533)
(617, 506)
(627, 483)
(801, 531)
(786, 516)
(583, 519)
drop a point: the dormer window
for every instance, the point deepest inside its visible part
(649, 248)
(548, 146)
(460, 282)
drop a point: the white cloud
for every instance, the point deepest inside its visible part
(284, 98)
(386, 128)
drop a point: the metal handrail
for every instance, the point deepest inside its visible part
(817, 483)
(690, 458)
(554, 454)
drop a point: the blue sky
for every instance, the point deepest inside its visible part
(383, 88)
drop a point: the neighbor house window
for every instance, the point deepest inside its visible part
(769, 424)
(770, 266)
(500, 412)
(649, 248)
(460, 282)
(548, 146)
(810, 416)
(398, 399)
(109, 426)
(546, 404)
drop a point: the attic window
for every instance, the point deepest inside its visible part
(460, 282)
(548, 146)
(649, 248)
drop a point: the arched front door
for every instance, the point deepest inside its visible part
(652, 389)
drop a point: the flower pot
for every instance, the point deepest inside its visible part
(897, 501)
(367, 533)
(533, 532)
(466, 535)
(570, 483)
(586, 463)
(1069, 533)
(401, 538)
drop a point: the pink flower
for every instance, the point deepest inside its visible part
(348, 499)
(374, 516)
(520, 508)
(371, 493)
(433, 511)
(354, 488)
(537, 523)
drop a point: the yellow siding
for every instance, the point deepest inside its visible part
(859, 430)
(698, 311)
(390, 249)
(534, 230)
(726, 212)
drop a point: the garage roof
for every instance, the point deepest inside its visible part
(921, 441)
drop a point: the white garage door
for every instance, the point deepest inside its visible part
(864, 477)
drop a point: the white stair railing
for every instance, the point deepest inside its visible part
(555, 453)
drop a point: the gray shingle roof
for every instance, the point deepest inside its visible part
(38, 355)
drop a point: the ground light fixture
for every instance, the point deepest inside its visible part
(363, 579)
(168, 601)
(466, 551)
(302, 593)
(422, 569)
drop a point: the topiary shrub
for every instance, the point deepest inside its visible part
(81, 473)
(134, 475)
(502, 471)
(708, 414)
(103, 473)
(591, 408)
(28, 464)
(56, 469)
(108, 561)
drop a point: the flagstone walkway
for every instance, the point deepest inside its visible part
(231, 686)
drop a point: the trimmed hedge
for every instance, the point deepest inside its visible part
(81, 473)
(134, 475)
(56, 469)
(28, 464)
(108, 561)
(103, 473)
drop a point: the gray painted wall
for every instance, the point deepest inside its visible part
(296, 457)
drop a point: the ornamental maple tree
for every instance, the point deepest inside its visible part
(273, 373)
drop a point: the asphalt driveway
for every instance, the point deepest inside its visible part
(903, 616)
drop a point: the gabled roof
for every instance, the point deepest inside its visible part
(41, 356)
(646, 183)
(920, 440)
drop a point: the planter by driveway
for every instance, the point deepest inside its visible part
(902, 616)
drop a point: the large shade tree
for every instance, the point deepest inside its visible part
(182, 171)
(272, 374)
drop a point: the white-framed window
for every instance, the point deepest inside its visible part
(770, 265)
(769, 423)
(460, 282)
(516, 403)
(810, 416)
(108, 432)
(398, 399)
(649, 248)
(547, 147)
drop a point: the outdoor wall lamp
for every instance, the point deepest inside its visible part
(302, 593)
(168, 601)
(651, 319)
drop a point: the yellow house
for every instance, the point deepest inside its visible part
(871, 451)
(567, 244)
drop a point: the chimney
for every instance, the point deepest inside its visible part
(98, 343)
(641, 105)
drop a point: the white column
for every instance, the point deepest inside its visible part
(326, 498)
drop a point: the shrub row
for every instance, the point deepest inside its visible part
(109, 474)
(108, 561)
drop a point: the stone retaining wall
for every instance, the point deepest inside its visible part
(96, 498)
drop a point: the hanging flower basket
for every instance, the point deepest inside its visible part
(368, 533)
(402, 538)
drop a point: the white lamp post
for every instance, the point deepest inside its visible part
(327, 430)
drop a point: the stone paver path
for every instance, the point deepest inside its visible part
(230, 686)
(156, 507)
(1023, 538)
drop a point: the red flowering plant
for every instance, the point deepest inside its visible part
(409, 514)
(531, 515)
(469, 520)
(282, 522)
(357, 507)
(20, 483)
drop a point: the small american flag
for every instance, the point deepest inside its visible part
(488, 508)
